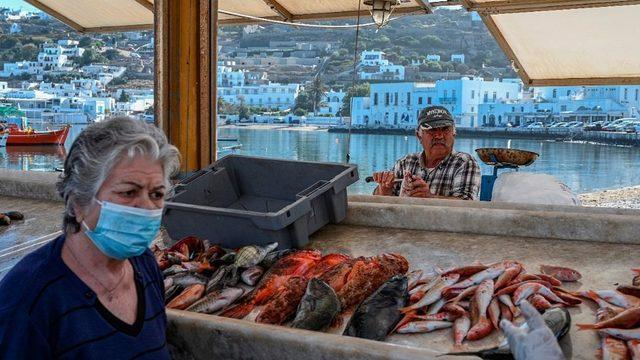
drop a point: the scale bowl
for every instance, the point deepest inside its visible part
(506, 157)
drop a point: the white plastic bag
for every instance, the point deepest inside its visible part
(530, 188)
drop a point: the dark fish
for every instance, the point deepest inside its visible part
(318, 307)
(252, 275)
(224, 277)
(15, 215)
(629, 290)
(252, 255)
(377, 315)
(173, 270)
(557, 319)
(188, 279)
(272, 257)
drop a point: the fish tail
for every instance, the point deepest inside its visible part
(586, 326)
(408, 309)
(239, 311)
(637, 271)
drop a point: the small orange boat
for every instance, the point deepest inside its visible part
(30, 137)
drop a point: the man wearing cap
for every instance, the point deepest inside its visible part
(436, 172)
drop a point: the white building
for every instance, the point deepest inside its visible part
(565, 103)
(270, 96)
(229, 77)
(433, 57)
(15, 28)
(103, 73)
(52, 57)
(373, 66)
(398, 104)
(332, 102)
(459, 58)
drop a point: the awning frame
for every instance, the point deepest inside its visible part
(486, 10)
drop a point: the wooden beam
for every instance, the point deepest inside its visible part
(425, 5)
(161, 63)
(184, 100)
(104, 29)
(213, 63)
(517, 6)
(279, 9)
(57, 15)
(504, 44)
(586, 81)
(146, 3)
(330, 16)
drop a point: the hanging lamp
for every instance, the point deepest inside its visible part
(381, 10)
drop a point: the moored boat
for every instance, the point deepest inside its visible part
(29, 137)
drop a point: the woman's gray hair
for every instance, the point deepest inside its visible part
(98, 149)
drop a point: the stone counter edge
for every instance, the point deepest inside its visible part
(29, 184)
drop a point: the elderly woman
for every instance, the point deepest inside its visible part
(96, 291)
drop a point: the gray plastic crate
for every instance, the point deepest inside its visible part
(241, 200)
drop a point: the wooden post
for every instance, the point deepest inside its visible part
(185, 97)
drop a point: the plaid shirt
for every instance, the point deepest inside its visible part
(458, 175)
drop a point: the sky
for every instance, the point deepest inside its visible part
(17, 4)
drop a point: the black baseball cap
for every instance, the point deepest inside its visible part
(435, 117)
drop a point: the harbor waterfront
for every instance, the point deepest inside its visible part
(583, 167)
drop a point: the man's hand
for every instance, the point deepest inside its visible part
(385, 180)
(420, 188)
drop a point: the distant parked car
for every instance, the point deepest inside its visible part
(594, 126)
(576, 125)
(536, 125)
(632, 127)
(613, 125)
(620, 126)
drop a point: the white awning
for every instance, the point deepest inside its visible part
(576, 43)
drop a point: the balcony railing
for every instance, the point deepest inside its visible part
(448, 100)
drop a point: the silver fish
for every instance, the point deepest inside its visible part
(318, 307)
(252, 275)
(252, 255)
(216, 300)
(188, 279)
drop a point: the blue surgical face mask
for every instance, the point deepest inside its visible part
(122, 231)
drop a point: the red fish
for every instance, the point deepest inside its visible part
(187, 297)
(507, 276)
(284, 303)
(550, 279)
(482, 298)
(367, 275)
(561, 273)
(627, 319)
(295, 264)
(539, 302)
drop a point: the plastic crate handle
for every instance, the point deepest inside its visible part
(311, 190)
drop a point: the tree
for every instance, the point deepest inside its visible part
(317, 90)
(243, 110)
(85, 41)
(124, 97)
(357, 90)
(89, 57)
(111, 54)
(299, 112)
(29, 51)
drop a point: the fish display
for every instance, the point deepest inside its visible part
(617, 321)
(473, 299)
(375, 317)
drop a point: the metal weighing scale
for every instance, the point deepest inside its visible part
(501, 158)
